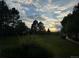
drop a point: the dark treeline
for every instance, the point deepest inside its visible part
(11, 25)
(70, 24)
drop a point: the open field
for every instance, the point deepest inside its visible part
(55, 46)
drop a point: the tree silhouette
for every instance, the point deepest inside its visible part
(76, 9)
(21, 28)
(37, 27)
(41, 27)
(48, 30)
(70, 24)
(34, 27)
(9, 20)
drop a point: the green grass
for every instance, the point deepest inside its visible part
(53, 43)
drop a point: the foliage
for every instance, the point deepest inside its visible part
(70, 23)
(37, 27)
(41, 27)
(9, 23)
(34, 27)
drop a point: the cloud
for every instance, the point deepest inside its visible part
(47, 11)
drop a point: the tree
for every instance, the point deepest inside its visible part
(70, 23)
(9, 20)
(37, 27)
(34, 27)
(21, 28)
(41, 27)
(48, 30)
(76, 9)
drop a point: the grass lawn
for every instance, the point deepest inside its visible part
(53, 43)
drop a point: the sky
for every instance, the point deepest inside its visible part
(50, 12)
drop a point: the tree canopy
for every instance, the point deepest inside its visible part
(9, 20)
(37, 27)
(70, 23)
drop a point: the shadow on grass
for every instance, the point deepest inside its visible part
(26, 51)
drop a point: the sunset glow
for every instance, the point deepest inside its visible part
(53, 29)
